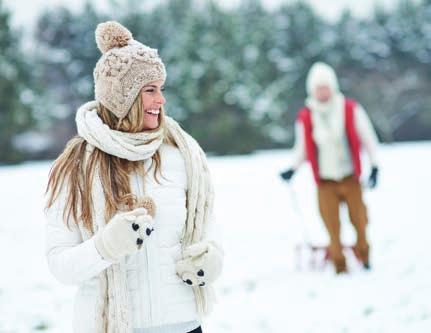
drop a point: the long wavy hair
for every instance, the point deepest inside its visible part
(73, 171)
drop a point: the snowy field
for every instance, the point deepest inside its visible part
(263, 288)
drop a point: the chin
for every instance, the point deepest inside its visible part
(151, 126)
(151, 123)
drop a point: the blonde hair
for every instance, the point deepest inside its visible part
(73, 170)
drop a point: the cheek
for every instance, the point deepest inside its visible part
(146, 101)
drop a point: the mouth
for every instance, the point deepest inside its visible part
(153, 112)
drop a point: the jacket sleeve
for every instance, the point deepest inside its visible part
(366, 134)
(70, 259)
(298, 150)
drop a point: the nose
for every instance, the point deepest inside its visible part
(160, 99)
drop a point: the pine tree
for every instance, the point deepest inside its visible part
(236, 77)
(15, 91)
(66, 56)
(300, 38)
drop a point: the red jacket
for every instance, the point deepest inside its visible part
(304, 116)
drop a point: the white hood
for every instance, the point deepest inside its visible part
(321, 74)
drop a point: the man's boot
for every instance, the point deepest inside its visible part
(338, 259)
(363, 254)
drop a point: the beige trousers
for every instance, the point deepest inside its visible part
(330, 195)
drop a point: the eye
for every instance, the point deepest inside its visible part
(162, 89)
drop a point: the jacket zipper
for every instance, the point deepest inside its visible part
(147, 264)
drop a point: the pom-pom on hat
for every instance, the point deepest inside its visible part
(124, 68)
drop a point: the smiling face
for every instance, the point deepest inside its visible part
(323, 93)
(152, 100)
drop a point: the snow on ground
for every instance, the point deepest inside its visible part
(262, 219)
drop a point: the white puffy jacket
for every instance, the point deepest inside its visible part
(158, 296)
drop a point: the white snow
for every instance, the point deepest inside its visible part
(262, 219)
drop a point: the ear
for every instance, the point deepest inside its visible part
(199, 261)
(196, 249)
(147, 203)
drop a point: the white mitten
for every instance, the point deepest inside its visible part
(124, 234)
(201, 265)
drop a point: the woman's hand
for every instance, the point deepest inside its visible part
(202, 264)
(124, 234)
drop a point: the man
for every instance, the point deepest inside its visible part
(329, 132)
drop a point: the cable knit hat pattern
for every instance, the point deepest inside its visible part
(124, 68)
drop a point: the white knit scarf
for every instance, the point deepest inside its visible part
(130, 146)
(112, 308)
(327, 118)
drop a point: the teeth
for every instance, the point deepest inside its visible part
(153, 111)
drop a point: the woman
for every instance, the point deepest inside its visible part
(130, 203)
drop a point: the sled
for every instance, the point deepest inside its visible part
(311, 255)
(317, 257)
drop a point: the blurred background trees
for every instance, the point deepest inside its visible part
(236, 77)
(15, 91)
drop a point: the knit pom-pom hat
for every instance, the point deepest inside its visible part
(125, 67)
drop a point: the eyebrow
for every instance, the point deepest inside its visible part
(152, 86)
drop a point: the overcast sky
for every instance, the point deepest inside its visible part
(25, 11)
